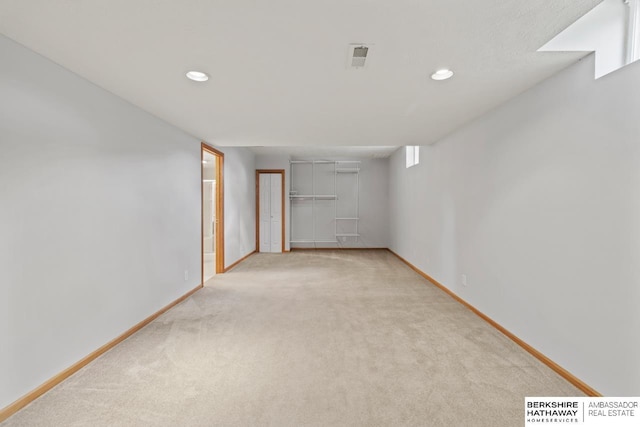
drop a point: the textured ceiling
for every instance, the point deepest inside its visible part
(278, 68)
(327, 152)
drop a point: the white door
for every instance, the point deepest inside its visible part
(265, 212)
(270, 212)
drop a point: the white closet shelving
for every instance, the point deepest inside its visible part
(347, 205)
(324, 201)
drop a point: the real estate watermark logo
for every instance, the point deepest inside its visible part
(582, 411)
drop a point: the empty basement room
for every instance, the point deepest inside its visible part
(337, 213)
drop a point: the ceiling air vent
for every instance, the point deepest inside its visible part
(358, 55)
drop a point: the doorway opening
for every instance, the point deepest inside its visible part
(212, 214)
(270, 210)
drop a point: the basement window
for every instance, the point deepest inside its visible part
(413, 155)
(611, 30)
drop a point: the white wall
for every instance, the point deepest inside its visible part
(538, 202)
(239, 203)
(99, 217)
(374, 203)
(374, 209)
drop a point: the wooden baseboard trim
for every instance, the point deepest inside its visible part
(589, 391)
(52, 382)
(339, 249)
(239, 261)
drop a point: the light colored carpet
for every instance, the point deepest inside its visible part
(326, 338)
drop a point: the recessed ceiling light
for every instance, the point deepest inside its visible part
(443, 74)
(204, 161)
(197, 76)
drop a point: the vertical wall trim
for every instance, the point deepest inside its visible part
(219, 227)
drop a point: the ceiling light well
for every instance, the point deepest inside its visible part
(197, 76)
(442, 74)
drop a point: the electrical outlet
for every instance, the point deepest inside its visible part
(463, 279)
(186, 275)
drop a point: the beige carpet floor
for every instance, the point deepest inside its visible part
(326, 338)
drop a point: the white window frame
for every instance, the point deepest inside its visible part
(633, 31)
(413, 155)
